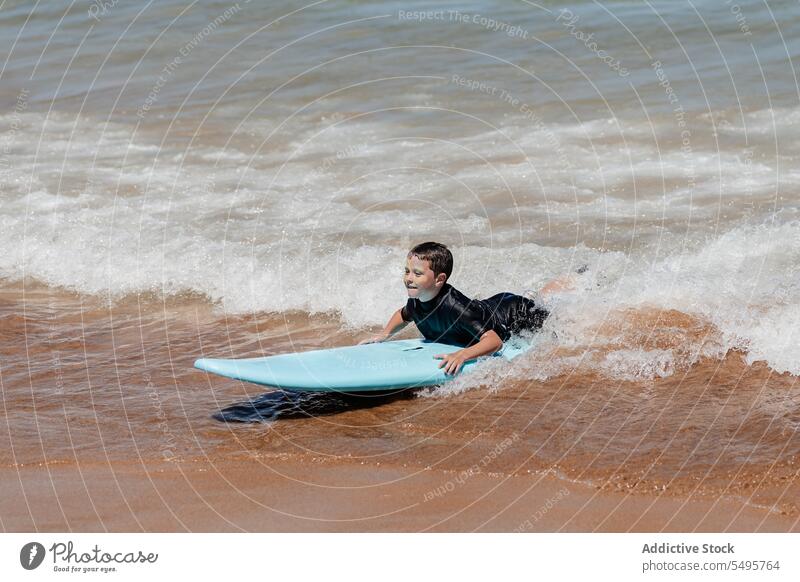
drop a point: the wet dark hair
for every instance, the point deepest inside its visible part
(438, 255)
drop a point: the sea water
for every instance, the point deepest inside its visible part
(237, 179)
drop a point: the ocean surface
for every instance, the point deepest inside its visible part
(188, 179)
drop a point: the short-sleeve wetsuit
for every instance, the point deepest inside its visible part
(453, 318)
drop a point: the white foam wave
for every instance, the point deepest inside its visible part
(322, 226)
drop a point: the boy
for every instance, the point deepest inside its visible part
(444, 314)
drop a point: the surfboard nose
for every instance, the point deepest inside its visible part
(206, 364)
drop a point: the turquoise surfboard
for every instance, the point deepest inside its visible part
(364, 368)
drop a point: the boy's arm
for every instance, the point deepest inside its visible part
(489, 343)
(396, 323)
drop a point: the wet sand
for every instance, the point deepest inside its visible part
(291, 496)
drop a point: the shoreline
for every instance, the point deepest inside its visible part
(295, 496)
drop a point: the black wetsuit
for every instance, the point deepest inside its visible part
(453, 318)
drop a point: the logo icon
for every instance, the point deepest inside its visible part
(31, 555)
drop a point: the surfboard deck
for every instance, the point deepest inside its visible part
(369, 367)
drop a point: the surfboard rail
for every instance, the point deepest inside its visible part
(394, 364)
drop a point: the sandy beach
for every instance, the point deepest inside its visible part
(291, 496)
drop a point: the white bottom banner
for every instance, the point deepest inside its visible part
(401, 557)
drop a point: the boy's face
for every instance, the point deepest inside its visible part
(419, 279)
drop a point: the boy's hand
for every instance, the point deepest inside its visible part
(452, 363)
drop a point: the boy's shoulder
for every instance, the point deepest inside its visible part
(454, 294)
(451, 298)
